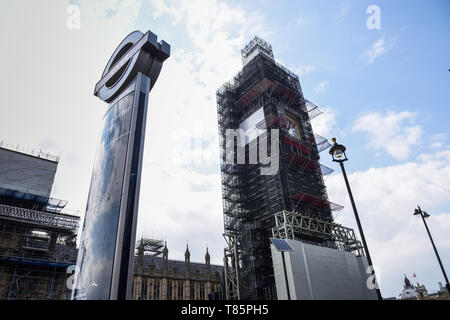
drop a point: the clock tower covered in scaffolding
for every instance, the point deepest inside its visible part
(292, 203)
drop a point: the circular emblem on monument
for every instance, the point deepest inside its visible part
(138, 52)
(122, 71)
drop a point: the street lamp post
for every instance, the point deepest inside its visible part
(424, 215)
(337, 152)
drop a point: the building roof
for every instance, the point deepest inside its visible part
(31, 173)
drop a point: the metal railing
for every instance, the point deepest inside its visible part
(65, 221)
(35, 153)
(293, 225)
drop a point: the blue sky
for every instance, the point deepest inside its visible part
(384, 95)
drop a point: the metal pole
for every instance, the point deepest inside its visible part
(366, 249)
(285, 276)
(436, 252)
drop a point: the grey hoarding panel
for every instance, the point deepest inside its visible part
(319, 273)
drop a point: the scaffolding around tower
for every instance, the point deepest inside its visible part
(266, 96)
(150, 246)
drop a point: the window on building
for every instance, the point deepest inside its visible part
(192, 295)
(180, 291)
(202, 291)
(144, 290)
(169, 290)
(156, 290)
(2, 230)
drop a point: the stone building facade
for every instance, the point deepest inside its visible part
(158, 278)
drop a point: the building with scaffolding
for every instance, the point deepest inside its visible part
(37, 235)
(158, 278)
(290, 204)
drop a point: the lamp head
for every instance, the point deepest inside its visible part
(419, 211)
(337, 152)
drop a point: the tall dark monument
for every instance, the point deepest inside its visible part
(106, 254)
(266, 96)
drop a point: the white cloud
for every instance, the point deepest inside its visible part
(386, 198)
(438, 141)
(303, 69)
(439, 137)
(378, 48)
(443, 154)
(389, 133)
(324, 123)
(161, 8)
(302, 19)
(320, 87)
(343, 11)
(437, 145)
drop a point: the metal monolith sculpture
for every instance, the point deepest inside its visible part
(105, 259)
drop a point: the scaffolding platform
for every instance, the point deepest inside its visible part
(36, 249)
(295, 225)
(317, 202)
